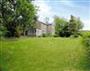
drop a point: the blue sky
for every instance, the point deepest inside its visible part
(64, 8)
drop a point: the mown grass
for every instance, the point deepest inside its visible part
(43, 54)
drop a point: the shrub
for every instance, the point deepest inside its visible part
(65, 34)
(2, 31)
(44, 35)
(86, 38)
(47, 35)
(87, 41)
(55, 35)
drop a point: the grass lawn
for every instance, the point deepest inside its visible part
(43, 54)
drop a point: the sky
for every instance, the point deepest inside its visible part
(63, 9)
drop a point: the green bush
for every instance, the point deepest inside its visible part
(86, 38)
(77, 34)
(55, 35)
(87, 41)
(47, 35)
(44, 35)
(2, 31)
(13, 32)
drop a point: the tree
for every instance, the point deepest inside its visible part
(75, 25)
(17, 14)
(28, 12)
(7, 12)
(64, 28)
(60, 23)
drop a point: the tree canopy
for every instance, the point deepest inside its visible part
(16, 14)
(66, 28)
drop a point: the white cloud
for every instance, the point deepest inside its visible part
(44, 10)
(86, 24)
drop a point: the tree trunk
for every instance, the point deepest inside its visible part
(12, 30)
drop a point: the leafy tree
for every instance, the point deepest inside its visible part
(59, 24)
(2, 30)
(17, 14)
(75, 25)
(64, 28)
(8, 16)
(28, 13)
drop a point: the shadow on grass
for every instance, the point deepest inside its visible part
(5, 57)
(87, 58)
(86, 61)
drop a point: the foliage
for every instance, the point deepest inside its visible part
(86, 39)
(15, 14)
(46, 35)
(28, 13)
(60, 23)
(2, 31)
(85, 34)
(86, 42)
(64, 28)
(74, 25)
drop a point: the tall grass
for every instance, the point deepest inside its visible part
(42, 54)
(86, 42)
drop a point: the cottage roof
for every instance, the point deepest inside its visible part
(44, 23)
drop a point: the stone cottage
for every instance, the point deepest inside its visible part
(41, 28)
